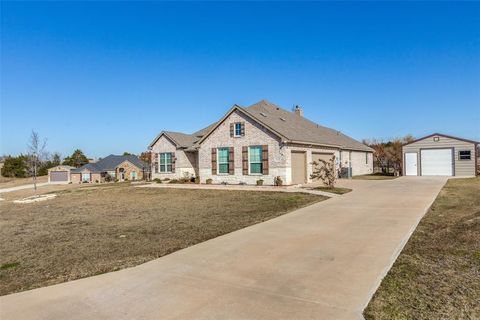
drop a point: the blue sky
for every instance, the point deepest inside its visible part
(108, 77)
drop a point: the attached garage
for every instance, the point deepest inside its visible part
(318, 156)
(59, 174)
(299, 167)
(440, 155)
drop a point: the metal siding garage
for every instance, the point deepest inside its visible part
(436, 162)
(58, 176)
(440, 155)
(299, 167)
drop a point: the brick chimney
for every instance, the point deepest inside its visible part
(298, 111)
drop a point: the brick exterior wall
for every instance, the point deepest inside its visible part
(128, 168)
(75, 177)
(356, 159)
(254, 135)
(185, 162)
(361, 164)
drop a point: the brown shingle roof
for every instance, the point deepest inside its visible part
(288, 125)
(296, 128)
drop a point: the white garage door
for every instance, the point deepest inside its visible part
(437, 162)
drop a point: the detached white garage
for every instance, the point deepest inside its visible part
(440, 155)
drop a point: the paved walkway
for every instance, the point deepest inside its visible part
(320, 262)
(236, 187)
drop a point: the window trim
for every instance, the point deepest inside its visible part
(469, 155)
(261, 161)
(218, 161)
(235, 135)
(165, 163)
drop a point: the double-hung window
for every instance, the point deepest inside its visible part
(464, 155)
(255, 159)
(165, 162)
(237, 129)
(223, 159)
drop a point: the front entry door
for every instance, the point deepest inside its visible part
(411, 164)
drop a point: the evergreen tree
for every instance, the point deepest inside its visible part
(77, 159)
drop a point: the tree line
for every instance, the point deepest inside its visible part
(38, 160)
(21, 166)
(387, 158)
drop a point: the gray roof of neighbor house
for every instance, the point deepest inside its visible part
(111, 162)
(288, 125)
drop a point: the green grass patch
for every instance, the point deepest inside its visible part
(7, 266)
(336, 190)
(374, 176)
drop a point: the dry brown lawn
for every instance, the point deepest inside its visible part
(96, 229)
(437, 275)
(13, 182)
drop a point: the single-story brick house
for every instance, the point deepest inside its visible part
(262, 141)
(120, 168)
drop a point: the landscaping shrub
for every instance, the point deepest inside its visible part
(197, 180)
(157, 180)
(209, 181)
(260, 182)
(174, 181)
(278, 181)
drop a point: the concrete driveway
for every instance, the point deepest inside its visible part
(320, 262)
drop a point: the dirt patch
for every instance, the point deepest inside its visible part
(92, 230)
(437, 275)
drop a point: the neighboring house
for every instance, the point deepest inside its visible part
(116, 167)
(440, 155)
(60, 174)
(262, 141)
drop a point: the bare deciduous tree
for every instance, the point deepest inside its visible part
(325, 171)
(388, 154)
(36, 154)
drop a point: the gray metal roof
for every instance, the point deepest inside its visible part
(111, 162)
